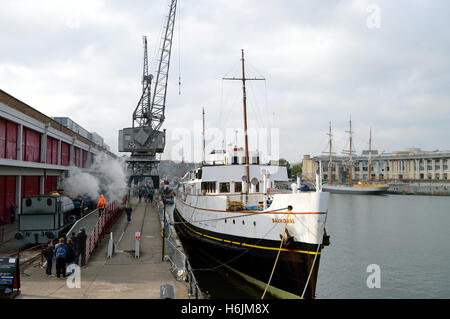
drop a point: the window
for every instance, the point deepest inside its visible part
(208, 187)
(238, 187)
(235, 160)
(224, 187)
(438, 176)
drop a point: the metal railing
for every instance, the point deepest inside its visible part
(29, 256)
(180, 265)
(101, 227)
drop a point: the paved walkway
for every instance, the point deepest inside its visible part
(123, 276)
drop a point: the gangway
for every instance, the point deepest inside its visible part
(96, 226)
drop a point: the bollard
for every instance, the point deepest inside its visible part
(138, 244)
(166, 292)
(110, 246)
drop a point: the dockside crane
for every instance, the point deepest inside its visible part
(145, 140)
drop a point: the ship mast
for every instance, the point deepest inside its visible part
(370, 155)
(330, 155)
(350, 152)
(244, 94)
(203, 151)
(244, 102)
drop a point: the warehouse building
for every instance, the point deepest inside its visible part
(35, 152)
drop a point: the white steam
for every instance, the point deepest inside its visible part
(107, 176)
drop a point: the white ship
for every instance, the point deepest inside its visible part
(243, 214)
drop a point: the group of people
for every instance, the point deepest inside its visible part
(81, 205)
(66, 252)
(147, 193)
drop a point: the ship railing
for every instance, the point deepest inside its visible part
(179, 263)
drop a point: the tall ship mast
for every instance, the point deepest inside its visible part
(330, 155)
(365, 187)
(242, 213)
(350, 152)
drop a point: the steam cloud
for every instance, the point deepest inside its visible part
(108, 177)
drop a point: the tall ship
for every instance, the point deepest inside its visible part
(243, 214)
(363, 187)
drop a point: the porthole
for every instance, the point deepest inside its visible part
(28, 202)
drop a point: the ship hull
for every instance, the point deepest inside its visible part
(253, 258)
(367, 190)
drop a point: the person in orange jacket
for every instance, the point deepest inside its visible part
(101, 205)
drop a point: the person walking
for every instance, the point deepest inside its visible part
(61, 258)
(70, 255)
(48, 255)
(101, 205)
(150, 195)
(12, 213)
(76, 248)
(77, 204)
(140, 194)
(128, 211)
(81, 236)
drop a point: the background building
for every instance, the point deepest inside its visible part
(412, 164)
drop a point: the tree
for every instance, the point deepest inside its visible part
(296, 170)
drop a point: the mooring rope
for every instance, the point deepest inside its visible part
(315, 257)
(278, 254)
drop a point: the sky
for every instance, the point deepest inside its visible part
(383, 63)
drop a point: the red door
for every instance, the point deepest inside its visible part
(11, 140)
(52, 151)
(31, 145)
(30, 185)
(65, 151)
(7, 196)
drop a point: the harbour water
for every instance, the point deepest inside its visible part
(407, 236)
